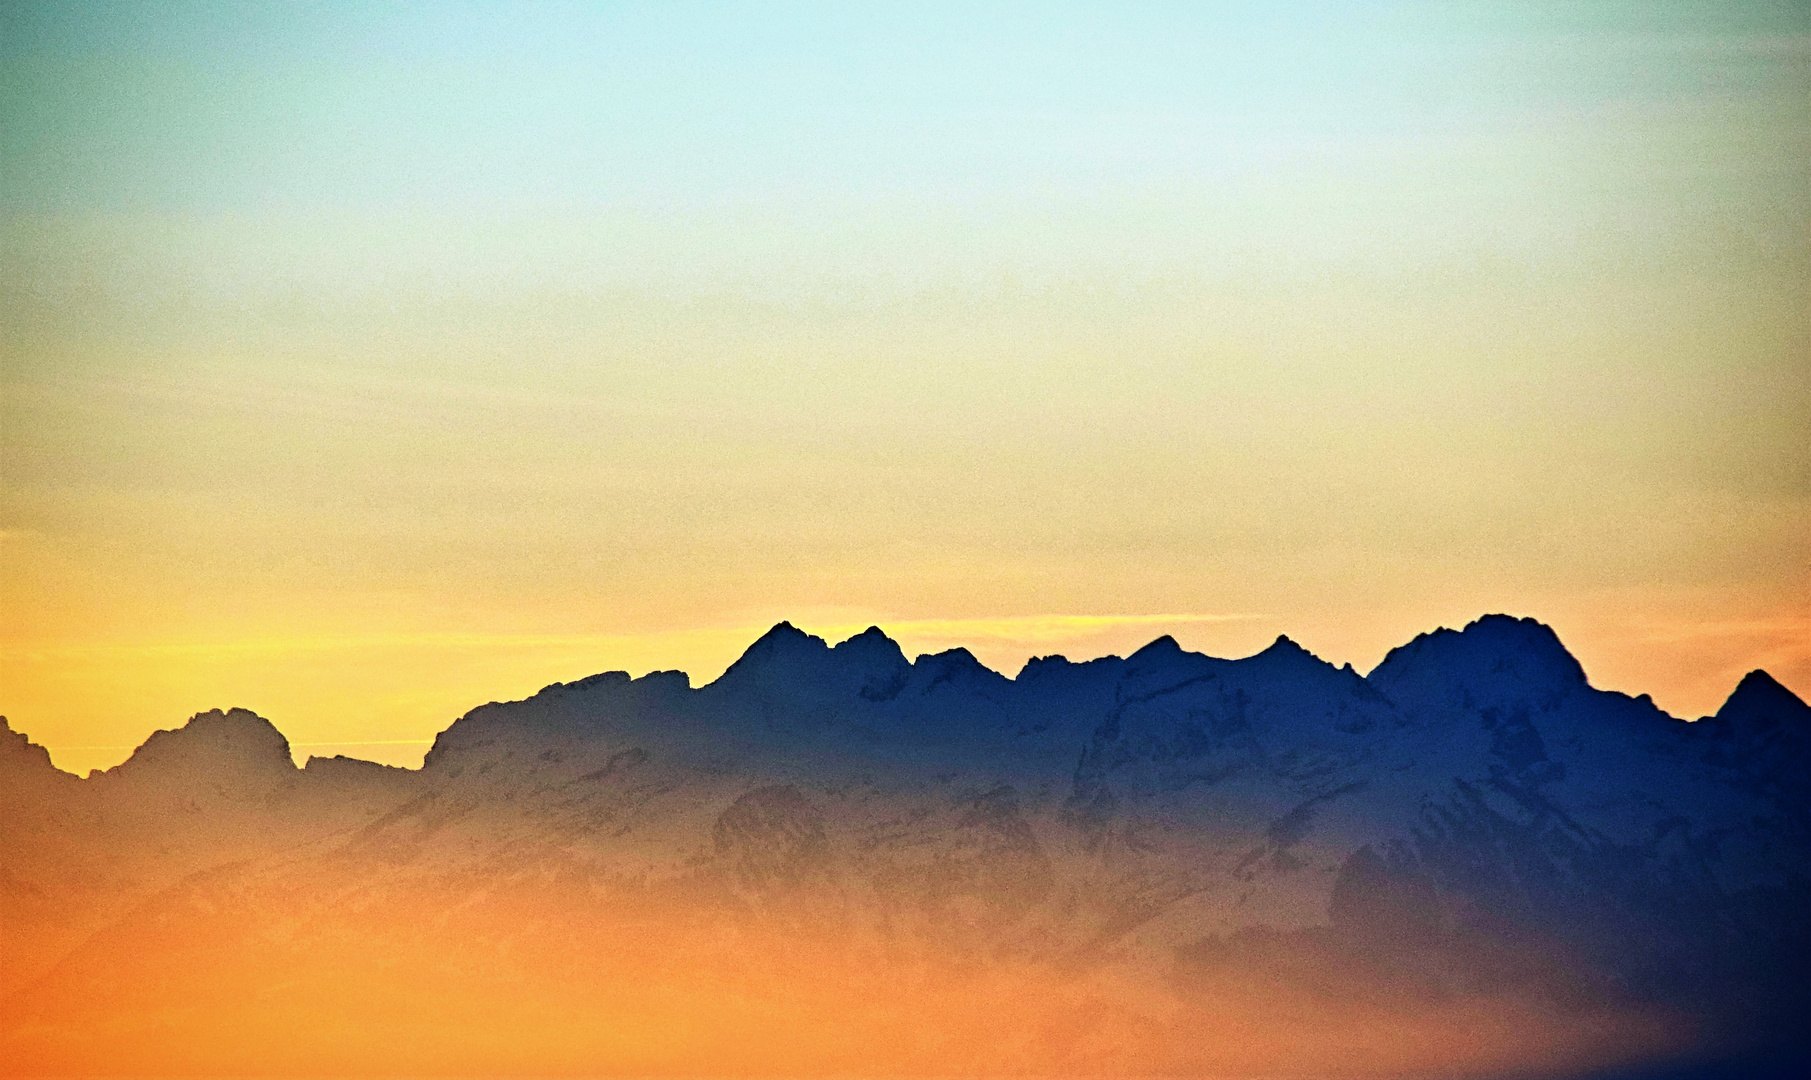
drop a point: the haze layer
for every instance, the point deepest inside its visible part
(836, 861)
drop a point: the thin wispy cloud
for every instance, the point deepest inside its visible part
(1034, 628)
(1014, 628)
(1794, 626)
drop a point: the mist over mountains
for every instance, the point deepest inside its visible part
(834, 859)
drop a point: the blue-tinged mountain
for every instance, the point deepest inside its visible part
(1468, 861)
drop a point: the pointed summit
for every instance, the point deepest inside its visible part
(1163, 662)
(877, 661)
(787, 662)
(1159, 650)
(871, 645)
(1284, 654)
(783, 635)
(1164, 644)
(1764, 730)
(1285, 645)
(956, 659)
(1759, 699)
(1287, 662)
(782, 646)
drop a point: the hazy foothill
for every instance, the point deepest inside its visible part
(833, 859)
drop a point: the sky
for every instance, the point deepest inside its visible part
(362, 363)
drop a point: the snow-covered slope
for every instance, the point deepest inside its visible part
(1471, 830)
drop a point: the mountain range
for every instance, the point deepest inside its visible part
(833, 859)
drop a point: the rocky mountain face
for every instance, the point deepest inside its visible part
(833, 859)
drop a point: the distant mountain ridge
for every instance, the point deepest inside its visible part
(1470, 826)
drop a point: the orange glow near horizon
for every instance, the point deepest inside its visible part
(600, 983)
(383, 697)
(358, 368)
(365, 364)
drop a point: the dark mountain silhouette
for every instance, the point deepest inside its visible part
(833, 859)
(1763, 733)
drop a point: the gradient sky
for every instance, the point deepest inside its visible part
(366, 362)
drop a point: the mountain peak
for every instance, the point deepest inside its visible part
(1285, 650)
(781, 643)
(951, 659)
(784, 633)
(791, 663)
(235, 740)
(1158, 648)
(956, 665)
(871, 644)
(1285, 659)
(1496, 659)
(1496, 639)
(1760, 696)
(18, 752)
(1765, 730)
(1162, 662)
